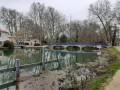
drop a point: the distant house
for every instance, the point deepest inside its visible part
(32, 42)
(3, 36)
(23, 37)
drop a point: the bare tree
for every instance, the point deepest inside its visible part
(55, 23)
(37, 15)
(10, 18)
(102, 11)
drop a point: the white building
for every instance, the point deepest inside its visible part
(3, 36)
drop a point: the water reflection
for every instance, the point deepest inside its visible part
(31, 55)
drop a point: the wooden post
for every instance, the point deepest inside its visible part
(17, 69)
(43, 58)
(59, 64)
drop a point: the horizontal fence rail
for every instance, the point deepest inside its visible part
(8, 70)
(27, 66)
(8, 85)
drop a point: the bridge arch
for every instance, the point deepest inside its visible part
(73, 48)
(58, 47)
(89, 48)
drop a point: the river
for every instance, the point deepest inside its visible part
(32, 55)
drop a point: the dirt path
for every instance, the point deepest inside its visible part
(115, 83)
(118, 48)
(46, 80)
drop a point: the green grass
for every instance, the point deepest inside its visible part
(114, 50)
(113, 68)
(97, 83)
(110, 72)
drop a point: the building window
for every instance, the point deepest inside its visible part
(0, 42)
(0, 53)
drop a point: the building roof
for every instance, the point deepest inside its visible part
(3, 31)
(11, 36)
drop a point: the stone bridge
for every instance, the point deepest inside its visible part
(77, 44)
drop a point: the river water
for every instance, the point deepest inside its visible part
(32, 55)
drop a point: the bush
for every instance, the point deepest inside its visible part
(8, 44)
(63, 38)
(44, 41)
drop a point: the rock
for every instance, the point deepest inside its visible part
(61, 79)
(78, 65)
(100, 72)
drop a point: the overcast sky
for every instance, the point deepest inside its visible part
(77, 9)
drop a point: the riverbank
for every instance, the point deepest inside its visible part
(36, 46)
(115, 82)
(3, 48)
(102, 81)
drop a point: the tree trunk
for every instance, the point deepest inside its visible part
(114, 37)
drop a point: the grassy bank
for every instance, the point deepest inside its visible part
(110, 70)
(2, 48)
(114, 51)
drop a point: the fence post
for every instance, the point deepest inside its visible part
(59, 64)
(43, 58)
(17, 68)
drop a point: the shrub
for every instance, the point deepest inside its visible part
(63, 38)
(44, 41)
(9, 44)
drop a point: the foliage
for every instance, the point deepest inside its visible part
(96, 84)
(9, 44)
(114, 68)
(44, 41)
(114, 50)
(63, 38)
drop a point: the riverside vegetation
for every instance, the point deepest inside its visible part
(110, 69)
(7, 45)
